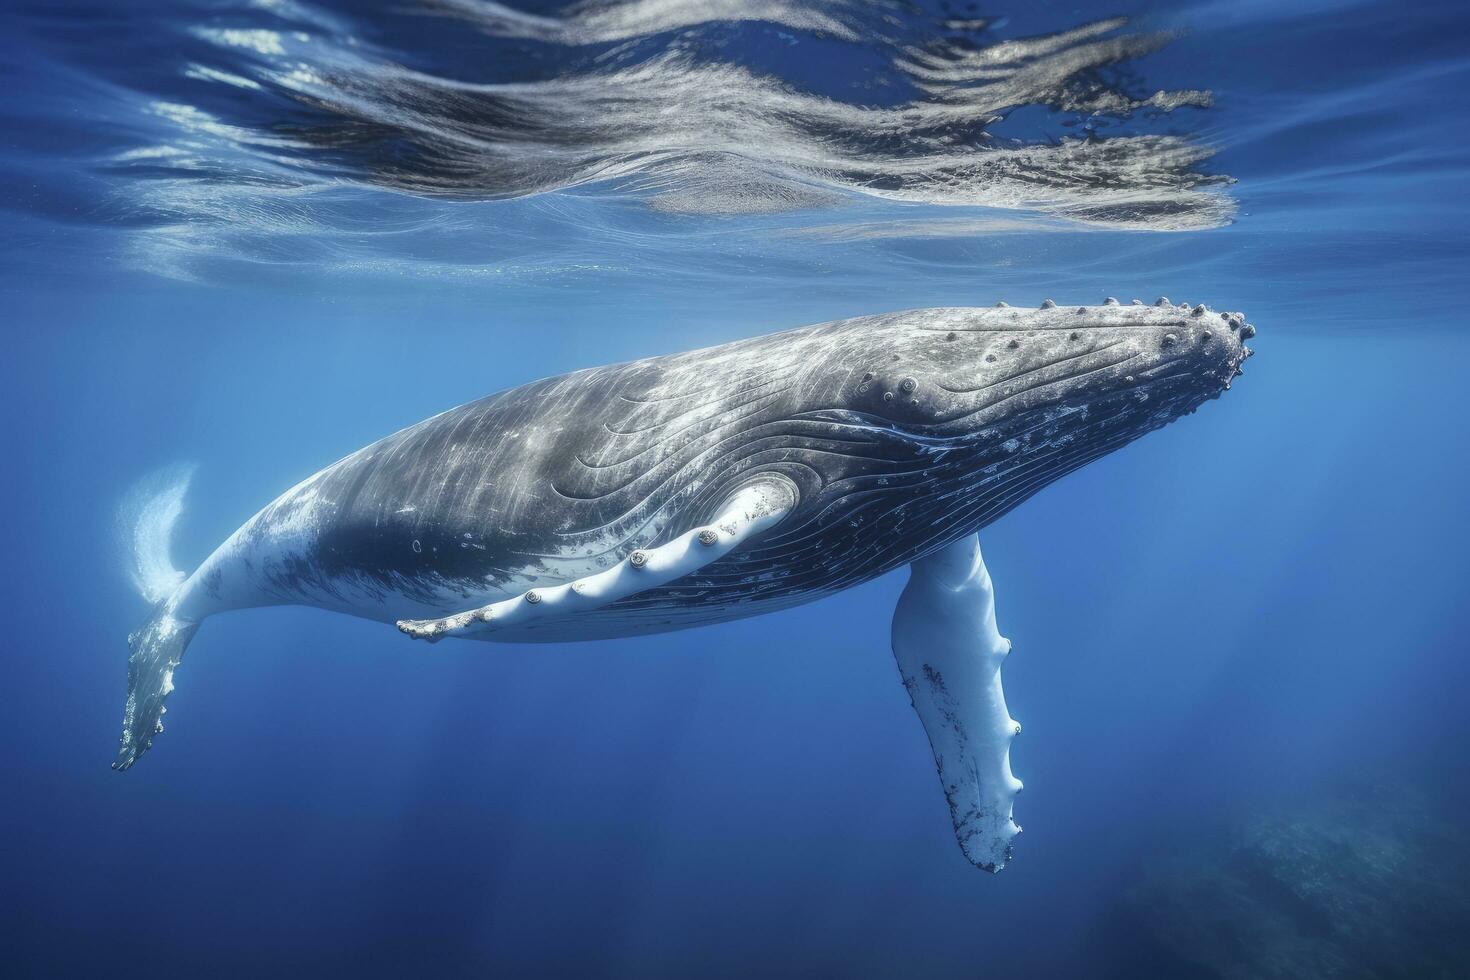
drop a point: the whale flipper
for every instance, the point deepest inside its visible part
(747, 513)
(949, 654)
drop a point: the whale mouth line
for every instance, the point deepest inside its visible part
(1152, 375)
(1072, 377)
(1014, 378)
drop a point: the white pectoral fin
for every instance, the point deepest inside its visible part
(747, 513)
(949, 653)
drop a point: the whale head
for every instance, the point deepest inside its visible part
(1147, 364)
(996, 403)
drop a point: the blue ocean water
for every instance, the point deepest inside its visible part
(257, 236)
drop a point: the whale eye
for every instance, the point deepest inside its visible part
(951, 335)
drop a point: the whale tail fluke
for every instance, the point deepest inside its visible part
(147, 518)
(146, 522)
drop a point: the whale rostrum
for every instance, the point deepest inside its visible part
(704, 486)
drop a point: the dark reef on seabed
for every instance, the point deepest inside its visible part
(1355, 882)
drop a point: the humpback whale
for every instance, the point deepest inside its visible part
(699, 487)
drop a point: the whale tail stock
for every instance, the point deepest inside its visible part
(147, 519)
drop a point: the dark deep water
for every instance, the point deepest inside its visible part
(255, 237)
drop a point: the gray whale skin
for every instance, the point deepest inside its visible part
(699, 487)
